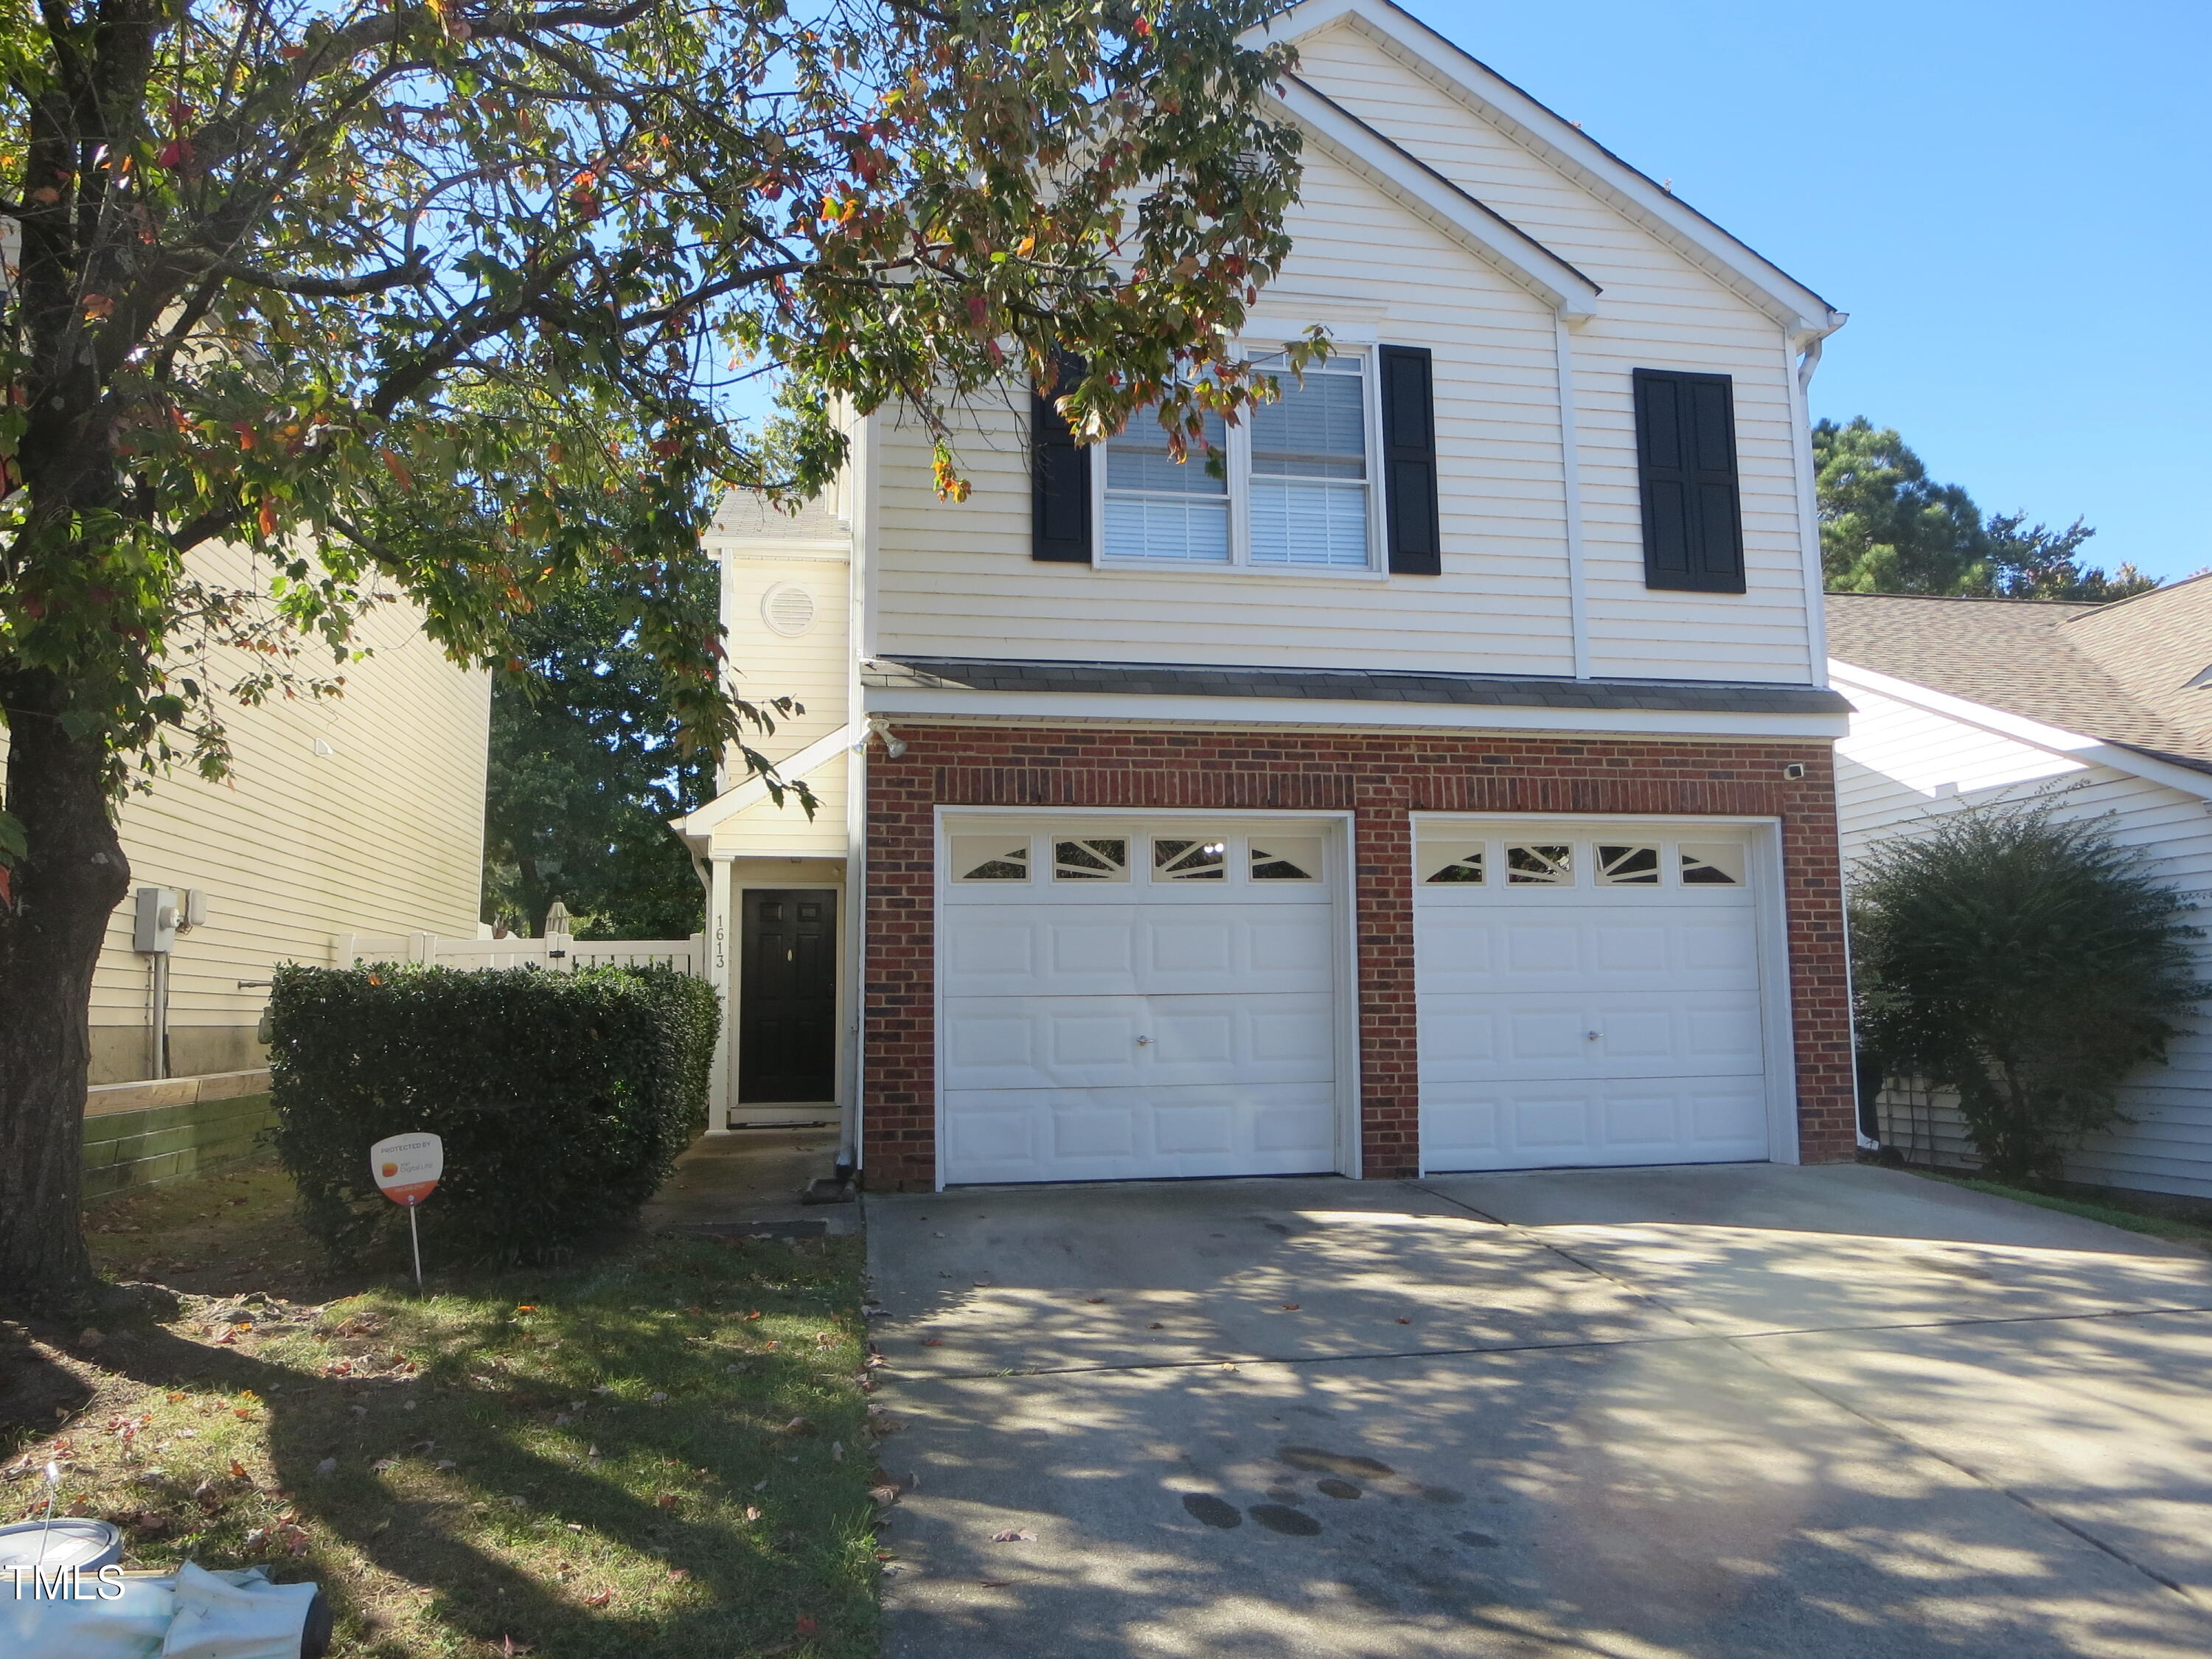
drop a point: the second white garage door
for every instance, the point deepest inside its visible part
(1588, 995)
(1137, 997)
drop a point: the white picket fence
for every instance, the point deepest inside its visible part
(557, 954)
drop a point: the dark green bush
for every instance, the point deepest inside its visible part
(563, 1099)
(2028, 961)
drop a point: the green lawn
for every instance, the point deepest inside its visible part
(662, 1452)
(2113, 1212)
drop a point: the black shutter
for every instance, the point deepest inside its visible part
(1059, 478)
(1409, 461)
(1686, 462)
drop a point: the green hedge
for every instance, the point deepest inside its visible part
(563, 1099)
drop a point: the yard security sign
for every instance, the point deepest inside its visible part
(407, 1167)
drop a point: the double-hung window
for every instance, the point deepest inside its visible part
(1291, 487)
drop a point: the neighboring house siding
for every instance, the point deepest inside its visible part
(957, 581)
(1657, 311)
(383, 835)
(1887, 773)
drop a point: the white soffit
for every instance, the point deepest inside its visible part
(1427, 194)
(2057, 740)
(1564, 146)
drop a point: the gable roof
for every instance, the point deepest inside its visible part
(1422, 191)
(2119, 672)
(1569, 151)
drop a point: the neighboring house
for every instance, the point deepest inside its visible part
(2107, 708)
(1449, 787)
(359, 813)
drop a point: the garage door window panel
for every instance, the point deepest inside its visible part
(1627, 865)
(991, 858)
(1547, 864)
(1279, 859)
(1454, 863)
(1094, 859)
(1176, 859)
(1711, 864)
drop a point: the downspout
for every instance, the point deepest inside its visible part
(1864, 1105)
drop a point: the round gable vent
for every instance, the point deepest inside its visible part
(788, 609)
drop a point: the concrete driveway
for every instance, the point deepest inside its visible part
(1725, 1411)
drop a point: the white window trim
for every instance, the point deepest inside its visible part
(1239, 463)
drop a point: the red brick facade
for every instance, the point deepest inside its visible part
(1380, 776)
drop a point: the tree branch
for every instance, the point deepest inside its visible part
(413, 273)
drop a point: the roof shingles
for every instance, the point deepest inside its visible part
(2118, 671)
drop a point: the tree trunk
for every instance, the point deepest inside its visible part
(64, 890)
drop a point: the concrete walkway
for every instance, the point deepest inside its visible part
(732, 1181)
(1738, 1411)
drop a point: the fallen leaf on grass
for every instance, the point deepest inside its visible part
(599, 1600)
(680, 1572)
(1094, 1298)
(1289, 1307)
(1402, 1320)
(803, 1625)
(798, 1426)
(1155, 1326)
(667, 1500)
(755, 1314)
(932, 1341)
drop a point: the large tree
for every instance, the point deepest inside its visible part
(587, 766)
(442, 298)
(1887, 527)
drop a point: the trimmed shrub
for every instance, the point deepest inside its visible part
(2026, 961)
(563, 1099)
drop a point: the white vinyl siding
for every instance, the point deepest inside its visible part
(380, 831)
(811, 668)
(1901, 764)
(956, 579)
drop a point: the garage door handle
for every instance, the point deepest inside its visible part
(1589, 1037)
(1141, 1041)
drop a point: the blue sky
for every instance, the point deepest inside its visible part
(2012, 200)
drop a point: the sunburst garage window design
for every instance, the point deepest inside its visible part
(1627, 866)
(1280, 861)
(1093, 859)
(1187, 860)
(1719, 865)
(1540, 867)
(991, 858)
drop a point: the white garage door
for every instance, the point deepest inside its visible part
(1588, 995)
(1138, 998)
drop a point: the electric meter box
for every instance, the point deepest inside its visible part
(154, 932)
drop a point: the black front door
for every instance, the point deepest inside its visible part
(787, 999)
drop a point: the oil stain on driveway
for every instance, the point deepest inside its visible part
(1734, 1411)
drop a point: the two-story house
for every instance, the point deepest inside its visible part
(1447, 787)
